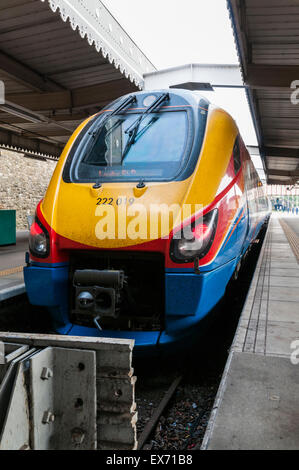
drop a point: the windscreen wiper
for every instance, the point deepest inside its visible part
(95, 134)
(121, 107)
(133, 129)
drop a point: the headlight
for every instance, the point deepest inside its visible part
(39, 244)
(195, 240)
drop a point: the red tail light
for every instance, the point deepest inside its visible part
(194, 241)
(39, 240)
(201, 231)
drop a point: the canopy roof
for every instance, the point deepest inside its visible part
(61, 61)
(266, 33)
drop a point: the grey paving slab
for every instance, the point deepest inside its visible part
(279, 245)
(261, 335)
(283, 311)
(284, 281)
(10, 257)
(12, 291)
(285, 255)
(14, 255)
(285, 272)
(293, 222)
(259, 406)
(5, 282)
(280, 335)
(14, 277)
(256, 337)
(282, 254)
(284, 264)
(278, 238)
(261, 293)
(289, 294)
(11, 286)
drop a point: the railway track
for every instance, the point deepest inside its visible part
(145, 435)
(173, 415)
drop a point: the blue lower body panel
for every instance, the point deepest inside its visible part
(189, 298)
(48, 287)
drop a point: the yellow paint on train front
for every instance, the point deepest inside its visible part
(70, 209)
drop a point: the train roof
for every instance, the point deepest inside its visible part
(193, 98)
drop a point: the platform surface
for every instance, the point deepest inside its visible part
(293, 222)
(12, 260)
(257, 405)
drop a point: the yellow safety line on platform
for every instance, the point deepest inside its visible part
(8, 272)
(292, 237)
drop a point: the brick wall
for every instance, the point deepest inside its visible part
(23, 183)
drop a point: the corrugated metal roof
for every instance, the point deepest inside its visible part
(267, 36)
(64, 61)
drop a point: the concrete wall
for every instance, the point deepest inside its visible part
(23, 183)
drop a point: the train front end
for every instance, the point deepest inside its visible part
(127, 241)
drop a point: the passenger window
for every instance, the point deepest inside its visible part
(237, 156)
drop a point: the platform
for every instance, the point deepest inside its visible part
(12, 260)
(257, 405)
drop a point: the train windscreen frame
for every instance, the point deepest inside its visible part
(158, 152)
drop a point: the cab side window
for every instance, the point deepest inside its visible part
(237, 156)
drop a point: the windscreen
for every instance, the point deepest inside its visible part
(125, 148)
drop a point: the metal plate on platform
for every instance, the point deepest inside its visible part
(64, 409)
(14, 411)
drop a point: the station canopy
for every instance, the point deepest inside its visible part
(267, 38)
(60, 62)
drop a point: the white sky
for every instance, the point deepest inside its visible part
(176, 32)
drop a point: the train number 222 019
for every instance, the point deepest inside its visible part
(119, 201)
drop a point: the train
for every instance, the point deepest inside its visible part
(151, 209)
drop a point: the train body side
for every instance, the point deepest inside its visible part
(223, 183)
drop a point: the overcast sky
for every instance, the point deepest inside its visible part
(176, 32)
